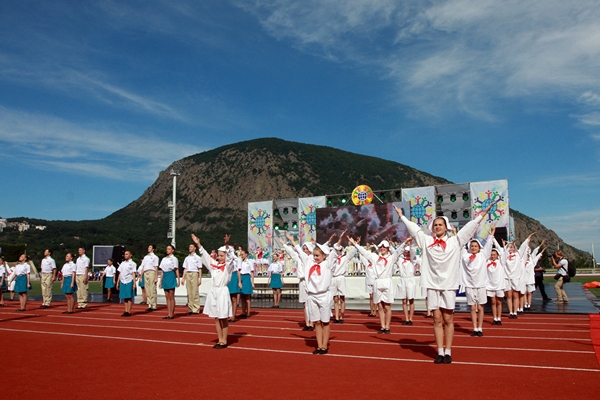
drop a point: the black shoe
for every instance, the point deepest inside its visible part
(480, 333)
(409, 323)
(494, 322)
(231, 320)
(404, 322)
(547, 299)
(381, 330)
(335, 321)
(65, 312)
(340, 321)
(323, 352)
(124, 314)
(149, 310)
(447, 359)
(474, 333)
(306, 328)
(311, 328)
(190, 313)
(499, 322)
(387, 331)
(219, 346)
(109, 300)
(317, 351)
(439, 360)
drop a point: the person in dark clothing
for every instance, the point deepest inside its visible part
(539, 281)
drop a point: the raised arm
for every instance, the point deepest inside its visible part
(413, 229)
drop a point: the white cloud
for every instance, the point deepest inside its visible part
(561, 181)
(49, 141)
(453, 55)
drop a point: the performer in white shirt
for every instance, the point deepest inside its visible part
(48, 270)
(275, 281)
(338, 282)
(3, 280)
(218, 301)
(170, 279)
(293, 252)
(192, 279)
(496, 282)
(318, 271)
(109, 273)
(383, 288)
(68, 283)
(126, 283)
(474, 278)
(529, 274)
(22, 278)
(407, 285)
(246, 270)
(83, 265)
(149, 272)
(440, 273)
(512, 258)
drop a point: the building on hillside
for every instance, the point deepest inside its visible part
(23, 226)
(2, 224)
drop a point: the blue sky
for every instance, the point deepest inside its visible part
(97, 97)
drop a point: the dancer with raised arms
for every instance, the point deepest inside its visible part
(474, 278)
(318, 272)
(440, 273)
(307, 248)
(218, 300)
(383, 287)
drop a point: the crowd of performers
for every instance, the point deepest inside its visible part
(448, 258)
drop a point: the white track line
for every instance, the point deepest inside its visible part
(302, 338)
(479, 364)
(237, 325)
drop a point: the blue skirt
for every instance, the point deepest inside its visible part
(276, 281)
(246, 284)
(141, 284)
(109, 283)
(126, 290)
(233, 284)
(169, 281)
(21, 284)
(66, 289)
(3, 287)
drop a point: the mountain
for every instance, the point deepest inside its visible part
(215, 186)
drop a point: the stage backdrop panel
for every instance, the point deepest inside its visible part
(308, 217)
(422, 204)
(484, 193)
(371, 222)
(260, 227)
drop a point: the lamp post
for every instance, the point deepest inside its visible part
(175, 172)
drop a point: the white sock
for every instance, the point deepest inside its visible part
(448, 352)
(440, 351)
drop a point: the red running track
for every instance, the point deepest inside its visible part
(98, 354)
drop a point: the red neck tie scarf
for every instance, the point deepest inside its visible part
(384, 260)
(315, 268)
(406, 259)
(491, 264)
(340, 260)
(220, 266)
(511, 256)
(440, 242)
(472, 257)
